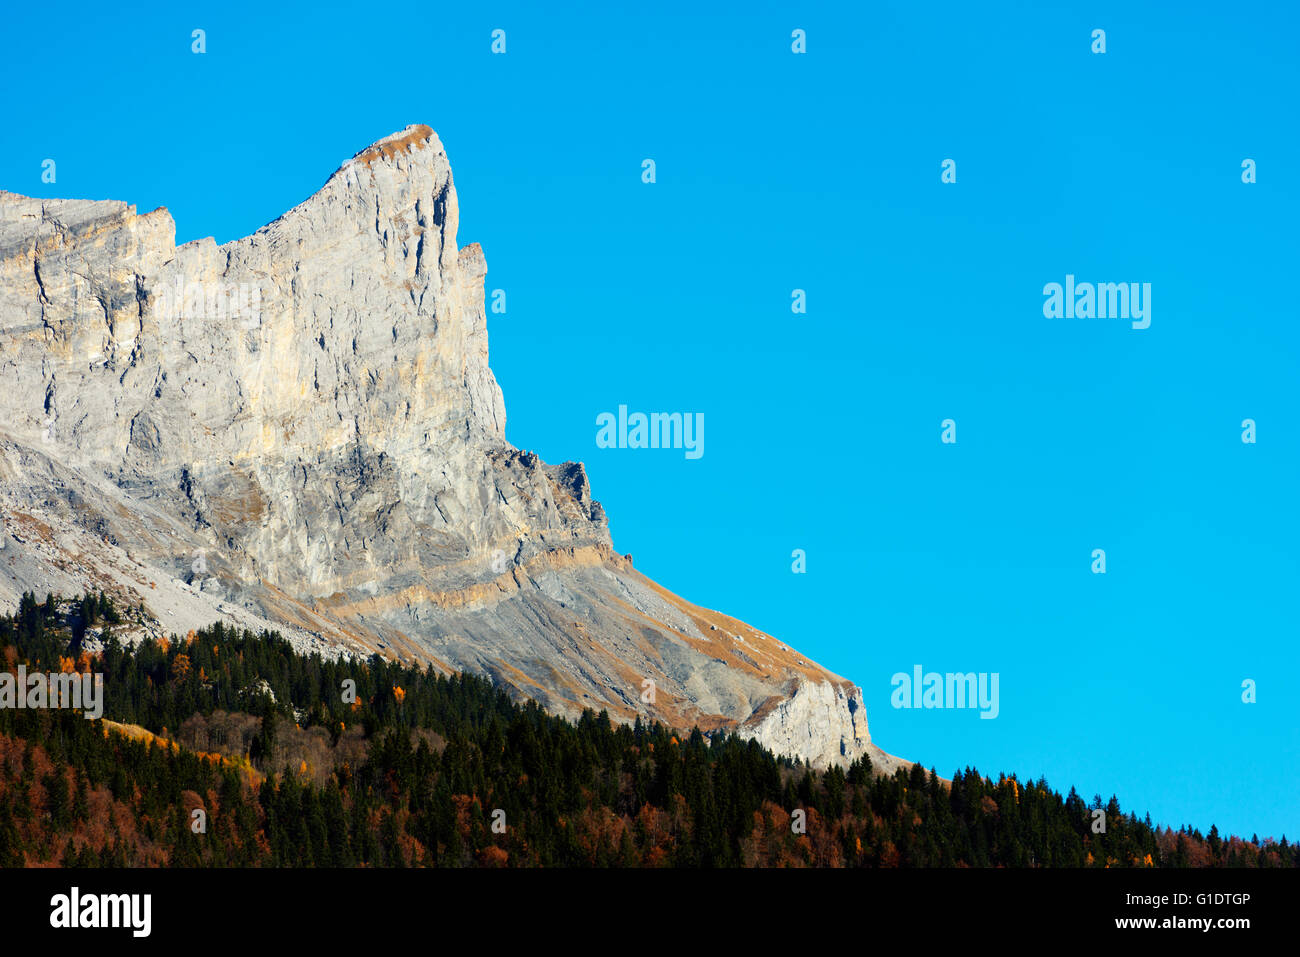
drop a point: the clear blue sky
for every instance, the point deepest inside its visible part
(821, 171)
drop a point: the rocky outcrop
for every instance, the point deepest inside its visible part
(822, 721)
(300, 429)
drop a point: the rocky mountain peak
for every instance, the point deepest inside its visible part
(300, 429)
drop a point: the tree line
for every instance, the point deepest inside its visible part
(230, 748)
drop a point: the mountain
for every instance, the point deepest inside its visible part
(300, 430)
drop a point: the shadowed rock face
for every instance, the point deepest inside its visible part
(300, 429)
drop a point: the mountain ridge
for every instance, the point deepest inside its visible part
(326, 456)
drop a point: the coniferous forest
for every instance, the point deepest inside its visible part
(224, 749)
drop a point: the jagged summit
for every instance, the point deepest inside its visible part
(416, 136)
(383, 165)
(300, 429)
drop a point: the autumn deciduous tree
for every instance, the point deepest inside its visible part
(493, 856)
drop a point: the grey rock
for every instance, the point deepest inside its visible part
(300, 430)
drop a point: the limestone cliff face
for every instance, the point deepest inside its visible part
(824, 722)
(300, 429)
